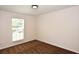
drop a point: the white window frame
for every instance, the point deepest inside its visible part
(15, 35)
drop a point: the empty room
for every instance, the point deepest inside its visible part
(39, 29)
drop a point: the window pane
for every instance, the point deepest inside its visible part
(17, 29)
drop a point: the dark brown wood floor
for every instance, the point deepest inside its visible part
(35, 47)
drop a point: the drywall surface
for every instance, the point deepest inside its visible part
(60, 28)
(6, 28)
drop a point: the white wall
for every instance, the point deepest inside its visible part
(60, 28)
(5, 28)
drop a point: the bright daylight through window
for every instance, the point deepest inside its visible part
(17, 29)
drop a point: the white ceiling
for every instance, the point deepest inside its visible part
(26, 9)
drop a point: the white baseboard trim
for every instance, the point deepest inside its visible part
(58, 45)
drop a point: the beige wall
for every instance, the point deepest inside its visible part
(5, 28)
(60, 28)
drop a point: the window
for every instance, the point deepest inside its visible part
(17, 29)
